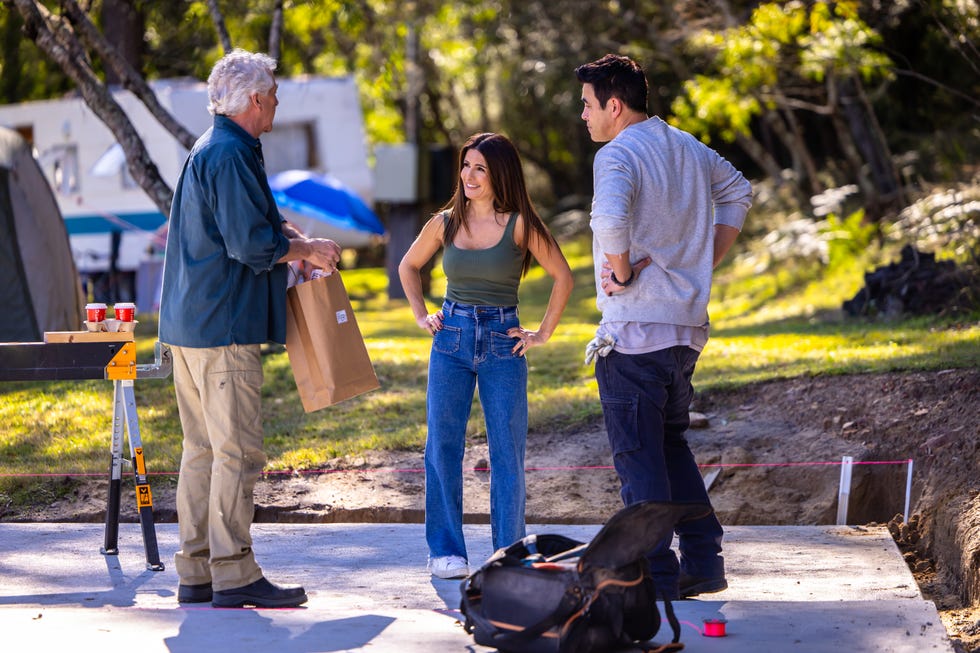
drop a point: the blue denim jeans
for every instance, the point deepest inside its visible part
(645, 403)
(473, 350)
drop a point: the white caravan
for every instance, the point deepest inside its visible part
(318, 127)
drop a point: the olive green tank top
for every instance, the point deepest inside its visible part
(484, 277)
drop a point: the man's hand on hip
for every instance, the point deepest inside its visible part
(611, 287)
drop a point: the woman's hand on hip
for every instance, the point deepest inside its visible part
(431, 322)
(525, 339)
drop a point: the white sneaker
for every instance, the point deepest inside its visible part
(449, 567)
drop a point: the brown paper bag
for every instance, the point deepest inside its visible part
(326, 351)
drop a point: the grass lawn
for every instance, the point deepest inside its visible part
(765, 325)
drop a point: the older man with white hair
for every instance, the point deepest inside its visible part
(224, 295)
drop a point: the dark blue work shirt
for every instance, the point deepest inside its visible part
(221, 282)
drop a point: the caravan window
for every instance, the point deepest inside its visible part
(61, 164)
(113, 163)
(290, 146)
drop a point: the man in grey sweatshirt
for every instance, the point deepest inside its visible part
(666, 209)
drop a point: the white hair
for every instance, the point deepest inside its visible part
(235, 78)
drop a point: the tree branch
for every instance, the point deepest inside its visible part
(58, 41)
(131, 79)
(794, 103)
(929, 80)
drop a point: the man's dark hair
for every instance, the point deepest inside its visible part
(616, 76)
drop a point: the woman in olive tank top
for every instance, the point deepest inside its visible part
(488, 232)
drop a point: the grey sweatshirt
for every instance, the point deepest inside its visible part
(659, 192)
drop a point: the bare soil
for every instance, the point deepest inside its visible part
(774, 450)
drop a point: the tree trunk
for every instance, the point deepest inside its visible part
(760, 155)
(10, 71)
(275, 32)
(872, 205)
(123, 28)
(788, 129)
(845, 139)
(58, 41)
(402, 226)
(483, 99)
(219, 25)
(870, 140)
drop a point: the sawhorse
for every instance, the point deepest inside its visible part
(71, 355)
(124, 416)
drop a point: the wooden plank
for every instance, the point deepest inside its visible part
(88, 336)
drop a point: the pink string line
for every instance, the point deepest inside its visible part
(386, 470)
(688, 623)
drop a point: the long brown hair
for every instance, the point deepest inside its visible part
(509, 190)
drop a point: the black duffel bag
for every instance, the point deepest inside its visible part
(553, 594)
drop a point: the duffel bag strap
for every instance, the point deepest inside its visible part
(466, 605)
(672, 620)
(675, 626)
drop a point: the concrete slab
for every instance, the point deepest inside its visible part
(794, 587)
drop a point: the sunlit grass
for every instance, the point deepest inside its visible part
(766, 324)
(796, 327)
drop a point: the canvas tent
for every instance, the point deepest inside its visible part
(39, 285)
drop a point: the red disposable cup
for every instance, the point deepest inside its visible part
(95, 312)
(125, 311)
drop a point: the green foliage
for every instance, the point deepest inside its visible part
(840, 42)
(760, 65)
(713, 105)
(23, 74)
(180, 40)
(508, 66)
(786, 321)
(848, 237)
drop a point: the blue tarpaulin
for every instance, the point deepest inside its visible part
(325, 198)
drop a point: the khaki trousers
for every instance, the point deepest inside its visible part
(219, 392)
